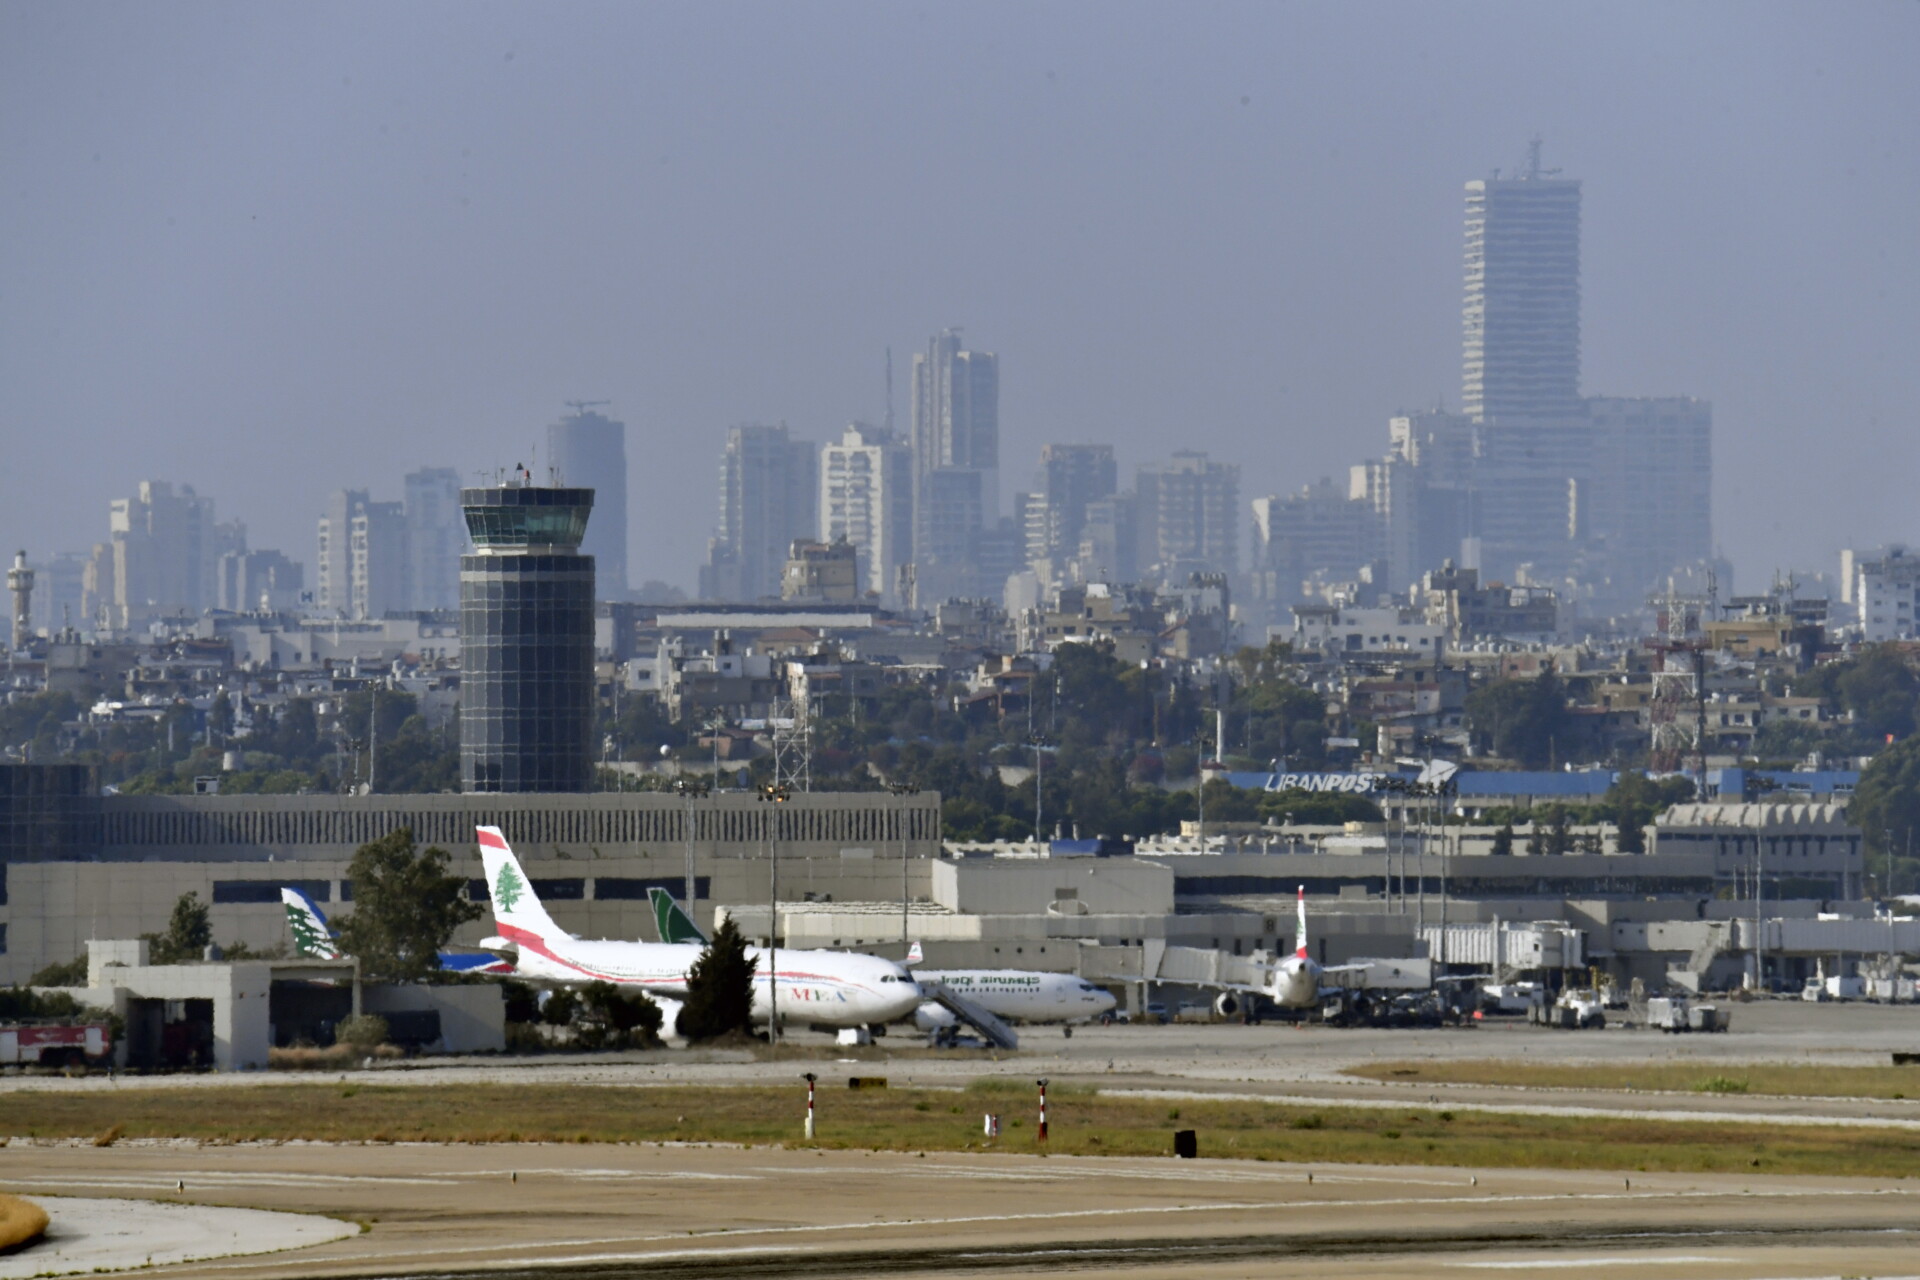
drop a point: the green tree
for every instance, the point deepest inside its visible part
(1283, 721)
(719, 987)
(1559, 831)
(1634, 800)
(72, 973)
(625, 1016)
(405, 907)
(1525, 721)
(1503, 841)
(1789, 740)
(189, 933)
(1886, 807)
(1881, 691)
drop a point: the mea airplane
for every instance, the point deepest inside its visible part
(1020, 995)
(1295, 983)
(313, 939)
(830, 989)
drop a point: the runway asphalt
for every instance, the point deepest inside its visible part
(663, 1210)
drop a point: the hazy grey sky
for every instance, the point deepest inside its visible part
(271, 250)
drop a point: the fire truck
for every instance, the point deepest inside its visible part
(61, 1044)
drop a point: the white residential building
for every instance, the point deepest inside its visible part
(866, 497)
(1886, 591)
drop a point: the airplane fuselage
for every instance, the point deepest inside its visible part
(1296, 984)
(1017, 994)
(831, 988)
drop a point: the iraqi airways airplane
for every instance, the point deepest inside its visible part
(1017, 995)
(815, 988)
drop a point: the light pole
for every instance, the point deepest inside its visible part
(1040, 743)
(688, 790)
(899, 790)
(775, 794)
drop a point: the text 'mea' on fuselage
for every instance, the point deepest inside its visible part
(815, 988)
(1017, 995)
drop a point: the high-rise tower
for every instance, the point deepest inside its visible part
(526, 640)
(591, 448)
(1521, 321)
(436, 538)
(20, 587)
(769, 495)
(956, 459)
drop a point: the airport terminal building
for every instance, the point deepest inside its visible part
(869, 871)
(76, 865)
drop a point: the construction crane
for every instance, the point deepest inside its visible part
(581, 406)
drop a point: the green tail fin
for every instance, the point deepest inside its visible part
(674, 924)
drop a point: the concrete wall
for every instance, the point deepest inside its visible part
(473, 1019)
(1097, 886)
(54, 908)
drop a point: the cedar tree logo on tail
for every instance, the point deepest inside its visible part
(508, 889)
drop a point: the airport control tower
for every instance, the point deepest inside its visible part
(526, 640)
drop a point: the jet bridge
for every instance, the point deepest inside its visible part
(991, 1028)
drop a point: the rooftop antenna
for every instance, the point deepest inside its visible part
(1533, 169)
(889, 390)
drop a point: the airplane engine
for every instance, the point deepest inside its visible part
(670, 1021)
(1226, 1004)
(934, 1017)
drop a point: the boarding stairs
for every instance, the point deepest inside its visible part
(991, 1028)
(1718, 940)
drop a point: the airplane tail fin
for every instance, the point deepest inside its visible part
(516, 907)
(312, 939)
(671, 919)
(914, 954)
(1300, 947)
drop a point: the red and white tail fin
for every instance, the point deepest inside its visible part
(1300, 948)
(516, 907)
(914, 954)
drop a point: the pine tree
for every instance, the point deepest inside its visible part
(719, 988)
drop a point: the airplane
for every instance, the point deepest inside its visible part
(674, 924)
(1022, 995)
(829, 989)
(1296, 981)
(313, 939)
(1016, 995)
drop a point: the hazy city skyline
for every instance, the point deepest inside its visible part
(271, 254)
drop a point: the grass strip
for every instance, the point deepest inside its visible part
(1785, 1079)
(1082, 1122)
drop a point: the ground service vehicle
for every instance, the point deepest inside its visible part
(65, 1044)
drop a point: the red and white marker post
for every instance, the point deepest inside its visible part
(1043, 1110)
(810, 1079)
